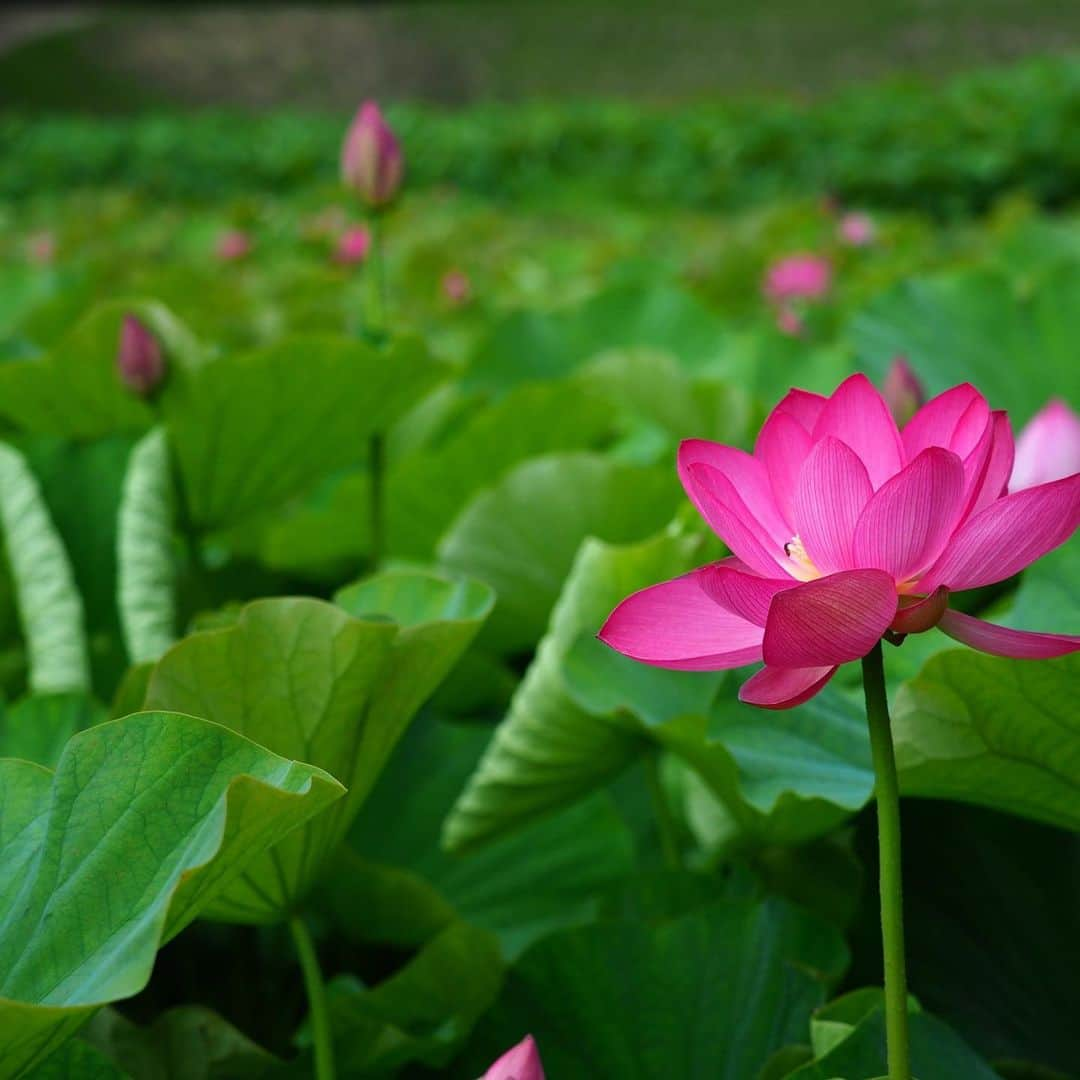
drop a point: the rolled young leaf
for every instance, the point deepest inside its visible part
(50, 607)
(145, 570)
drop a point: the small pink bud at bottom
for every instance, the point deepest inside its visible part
(856, 230)
(903, 391)
(233, 245)
(41, 248)
(139, 360)
(521, 1062)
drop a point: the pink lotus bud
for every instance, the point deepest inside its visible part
(856, 230)
(903, 392)
(371, 160)
(139, 361)
(353, 245)
(521, 1062)
(789, 322)
(456, 287)
(233, 245)
(798, 277)
(41, 248)
(1048, 448)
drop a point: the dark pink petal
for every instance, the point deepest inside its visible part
(748, 476)
(922, 615)
(676, 625)
(829, 621)
(782, 446)
(722, 507)
(999, 464)
(1001, 641)
(784, 688)
(936, 423)
(803, 406)
(909, 520)
(857, 415)
(833, 488)
(1007, 535)
(743, 594)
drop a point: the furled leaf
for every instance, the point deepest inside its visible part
(311, 681)
(50, 607)
(1001, 733)
(711, 995)
(145, 570)
(75, 391)
(251, 430)
(521, 536)
(37, 727)
(145, 819)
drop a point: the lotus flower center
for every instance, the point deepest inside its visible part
(801, 567)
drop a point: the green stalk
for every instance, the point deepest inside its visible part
(375, 325)
(665, 824)
(892, 914)
(316, 995)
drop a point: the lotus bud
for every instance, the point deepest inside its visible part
(903, 392)
(456, 287)
(139, 359)
(798, 277)
(41, 248)
(233, 245)
(521, 1062)
(1048, 448)
(789, 322)
(353, 246)
(371, 160)
(856, 229)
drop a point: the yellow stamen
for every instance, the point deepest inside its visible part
(801, 566)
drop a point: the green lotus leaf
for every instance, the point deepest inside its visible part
(145, 819)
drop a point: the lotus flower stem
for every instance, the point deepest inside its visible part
(892, 915)
(376, 327)
(316, 995)
(665, 824)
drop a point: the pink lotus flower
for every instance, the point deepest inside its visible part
(856, 229)
(904, 393)
(139, 361)
(843, 529)
(371, 160)
(1048, 448)
(353, 245)
(233, 245)
(456, 287)
(521, 1062)
(798, 277)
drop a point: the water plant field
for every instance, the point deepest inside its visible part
(315, 496)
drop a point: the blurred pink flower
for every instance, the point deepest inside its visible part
(857, 229)
(903, 392)
(139, 361)
(798, 277)
(353, 245)
(521, 1062)
(843, 528)
(232, 245)
(1048, 448)
(456, 287)
(41, 248)
(372, 163)
(788, 321)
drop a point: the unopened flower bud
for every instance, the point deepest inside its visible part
(371, 160)
(353, 245)
(456, 287)
(903, 392)
(233, 245)
(856, 229)
(1048, 448)
(139, 359)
